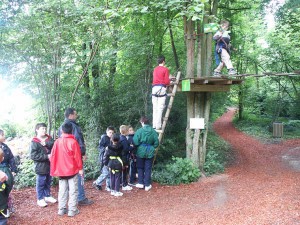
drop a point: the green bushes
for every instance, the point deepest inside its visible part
(26, 175)
(183, 170)
(261, 128)
(218, 155)
(9, 130)
(91, 166)
(178, 171)
(213, 163)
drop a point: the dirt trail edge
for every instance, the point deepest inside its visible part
(262, 187)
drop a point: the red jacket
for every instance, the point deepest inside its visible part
(161, 76)
(65, 159)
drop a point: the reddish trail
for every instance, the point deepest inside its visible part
(261, 188)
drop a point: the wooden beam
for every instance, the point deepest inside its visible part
(206, 88)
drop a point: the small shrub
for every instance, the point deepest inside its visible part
(26, 176)
(91, 165)
(219, 154)
(91, 169)
(213, 164)
(180, 170)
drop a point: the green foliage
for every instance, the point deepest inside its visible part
(261, 127)
(212, 164)
(254, 125)
(178, 171)
(91, 165)
(26, 176)
(218, 155)
(9, 130)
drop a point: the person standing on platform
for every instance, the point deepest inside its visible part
(222, 39)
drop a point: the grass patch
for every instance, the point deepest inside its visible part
(261, 127)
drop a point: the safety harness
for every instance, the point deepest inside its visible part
(2, 188)
(157, 94)
(117, 158)
(219, 48)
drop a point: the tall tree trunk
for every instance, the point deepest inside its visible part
(190, 49)
(198, 104)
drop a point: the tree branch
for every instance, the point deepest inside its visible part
(235, 9)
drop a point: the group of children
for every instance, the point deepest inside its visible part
(117, 160)
(62, 158)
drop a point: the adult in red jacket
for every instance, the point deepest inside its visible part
(160, 82)
(66, 163)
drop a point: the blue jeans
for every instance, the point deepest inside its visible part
(144, 168)
(43, 184)
(81, 192)
(104, 176)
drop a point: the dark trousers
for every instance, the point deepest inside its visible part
(144, 167)
(115, 179)
(3, 220)
(43, 185)
(132, 171)
(125, 176)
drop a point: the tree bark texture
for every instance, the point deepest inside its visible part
(198, 104)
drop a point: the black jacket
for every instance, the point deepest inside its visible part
(39, 154)
(126, 149)
(112, 157)
(77, 132)
(9, 159)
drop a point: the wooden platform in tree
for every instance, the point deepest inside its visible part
(222, 83)
(208, 84)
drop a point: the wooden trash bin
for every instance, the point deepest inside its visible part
(278, 129)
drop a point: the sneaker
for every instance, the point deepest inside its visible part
(231, 71)
(112, 192)
(62, 212)
(147, 188)
(118, 194)
(73, 213)
(131, 184)
(216, 74)
(85, 201)
(96, 186)
(107, 189)
(139, 186)
(42, 203)
(50, 199)
(127, 188)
